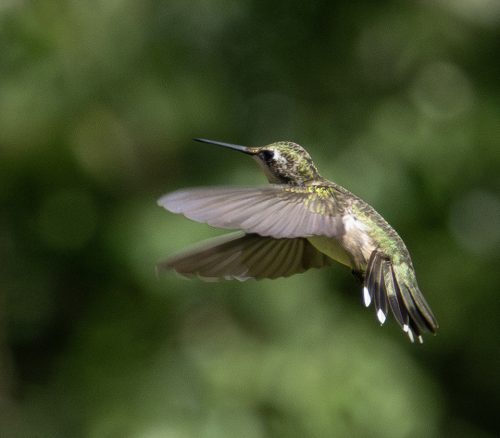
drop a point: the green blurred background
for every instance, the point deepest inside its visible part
(397, 101)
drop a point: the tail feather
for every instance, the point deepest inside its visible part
(381, 296)
(394, 286)
(423, 307)
(417, 319)
(398, 311)
(372, 283)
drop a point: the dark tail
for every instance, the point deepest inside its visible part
(395, 286)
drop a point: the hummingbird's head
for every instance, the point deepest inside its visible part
(283, 162)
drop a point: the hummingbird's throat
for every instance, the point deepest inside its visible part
(268, 172)
(286, 170)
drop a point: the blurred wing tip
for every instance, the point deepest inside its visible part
(163, 267)
(160, 268)
(163, 201)
(190, 275)
(159, 201)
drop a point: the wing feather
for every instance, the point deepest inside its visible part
(242, 256)
(276, 210)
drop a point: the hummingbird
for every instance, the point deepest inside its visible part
(300, 221)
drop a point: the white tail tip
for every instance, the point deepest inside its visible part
(410, 335)
(366, 296)
(381, 316)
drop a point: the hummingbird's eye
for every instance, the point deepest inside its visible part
(267, 155)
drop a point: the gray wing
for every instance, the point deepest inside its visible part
(274, 210)
(242, 256)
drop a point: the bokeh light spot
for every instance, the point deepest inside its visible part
(103, 147)
(482, 12)
(442, 91)
(475, 221)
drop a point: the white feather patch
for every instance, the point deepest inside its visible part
(366, 296)
(381, 316)
(410, 335)
(353, 224)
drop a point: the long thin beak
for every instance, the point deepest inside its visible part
(236, 147)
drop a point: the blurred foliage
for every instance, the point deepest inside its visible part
(397, 101)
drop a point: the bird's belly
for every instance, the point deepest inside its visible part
(332, 248)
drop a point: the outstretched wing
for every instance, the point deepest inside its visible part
(243, 256)
(275, 210)
(395, 287)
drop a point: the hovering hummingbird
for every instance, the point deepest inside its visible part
(300, 221)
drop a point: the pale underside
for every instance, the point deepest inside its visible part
(333, 248)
